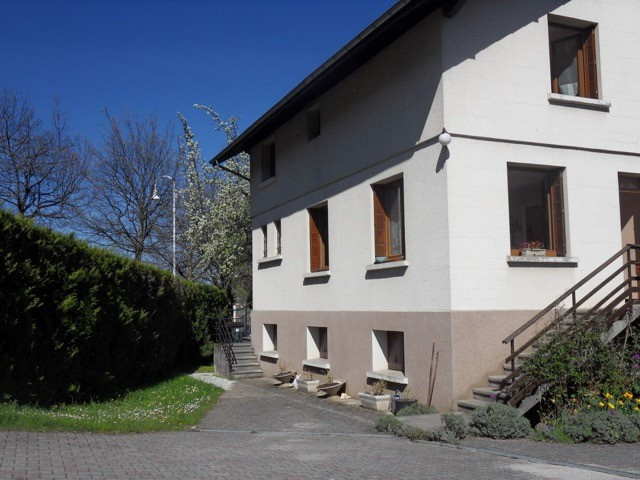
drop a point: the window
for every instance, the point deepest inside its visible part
(388, 351)
(317, 343)
(270, 337)
(319, 238)
(388, 221)
(573, 60)
(278, 237)
(313, 123)
(536, 208)
(268, 161)
(264, 241)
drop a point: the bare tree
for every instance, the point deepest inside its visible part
(42, 169)
(134, 156)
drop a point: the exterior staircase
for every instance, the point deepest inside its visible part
(247, 364)
(233, 354)
(618, 307)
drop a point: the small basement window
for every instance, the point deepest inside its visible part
(573, 60)
(388, 352)
(536, 208)
(317, 343)
(270, 337)
(268, 161)
(313, 123)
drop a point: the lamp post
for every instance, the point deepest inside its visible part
(155, 196)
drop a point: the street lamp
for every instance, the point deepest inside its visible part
(155, 196)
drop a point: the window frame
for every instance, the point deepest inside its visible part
(587, 60)
(382, 222)
(278, 225)
(268, 161)
(318, 238)
(265, 241)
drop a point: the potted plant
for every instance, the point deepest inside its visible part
(331, 386)
(284, 375)
(307, 384)
(402, 400)
(374, 398)
(534, 248)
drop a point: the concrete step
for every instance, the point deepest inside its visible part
(470, 405)
(487, 394)
(499, 379)
(249, 373)
(246, 356)
(241, 367)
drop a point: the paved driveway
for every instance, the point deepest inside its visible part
(257, 431)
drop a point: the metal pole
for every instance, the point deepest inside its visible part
(173, 182)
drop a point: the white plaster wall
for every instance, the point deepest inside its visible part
(375, 124)
(496, 78)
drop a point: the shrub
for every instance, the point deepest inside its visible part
(416, 409)
(79, 323)
(389, 424)
(602, 427)
(455, 424)
(498, 421)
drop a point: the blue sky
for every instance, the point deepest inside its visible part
(163, 56)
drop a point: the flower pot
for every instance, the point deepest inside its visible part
(381, 259)
(308, 386)
(536, 252)
(331, 389)
(377, 403)
(284, 377)
(399, 404)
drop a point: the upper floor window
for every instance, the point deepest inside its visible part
(388, 221)
(573, 60)
(319, 238)
(313, 122)
(268, 161)
(265, 243)
(278, 225)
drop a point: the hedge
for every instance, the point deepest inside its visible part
(79, 323)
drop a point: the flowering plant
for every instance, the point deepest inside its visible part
(533, 245)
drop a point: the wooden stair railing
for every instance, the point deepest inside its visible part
(616, 303)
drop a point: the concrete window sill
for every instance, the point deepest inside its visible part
(580, 102)
(271, 354)
(323, 273)
(391, 376)
(268, 182)
(387, 265)
(322, 363)
(545, 262)
(275, 258)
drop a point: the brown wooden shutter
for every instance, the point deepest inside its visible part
(315, 242)
(556, 217)
(590, 67)
(379, 224)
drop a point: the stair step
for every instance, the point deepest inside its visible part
(487, 394)
(246, 366)
(499, 379)
(470, 405)
(246, 356)
(259, 374)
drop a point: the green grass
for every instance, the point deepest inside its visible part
(205, 369)
(173, 404)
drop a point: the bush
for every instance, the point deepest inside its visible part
(498, 421)
(416, 409)
(79, 323)
(455, 424)
(389, 424)
(602, 427)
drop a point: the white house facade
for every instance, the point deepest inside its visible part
(371, 240)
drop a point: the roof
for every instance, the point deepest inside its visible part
(384, 30)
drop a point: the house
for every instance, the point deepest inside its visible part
(372, 239)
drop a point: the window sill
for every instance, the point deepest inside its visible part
(271, 354)
(391, 376)
(387, 265)
(320, 274)
(532, 261)
(581, 102)
(275, 258)
(321, 363)
(267, 182)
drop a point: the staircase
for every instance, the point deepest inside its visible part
(618, 307)
(247, 364)
(233, 353)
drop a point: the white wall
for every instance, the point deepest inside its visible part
(374, 125)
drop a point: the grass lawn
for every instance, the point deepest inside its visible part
(173, 404)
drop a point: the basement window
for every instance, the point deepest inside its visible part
(536, 208)
(388, 352)
(270, 337)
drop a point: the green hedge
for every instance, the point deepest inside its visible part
(79, 323)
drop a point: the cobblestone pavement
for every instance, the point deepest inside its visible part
(261, 432)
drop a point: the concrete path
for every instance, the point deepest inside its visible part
(258, 431)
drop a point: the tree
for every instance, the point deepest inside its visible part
(42, 169)
(134, 156)
(217, 207)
